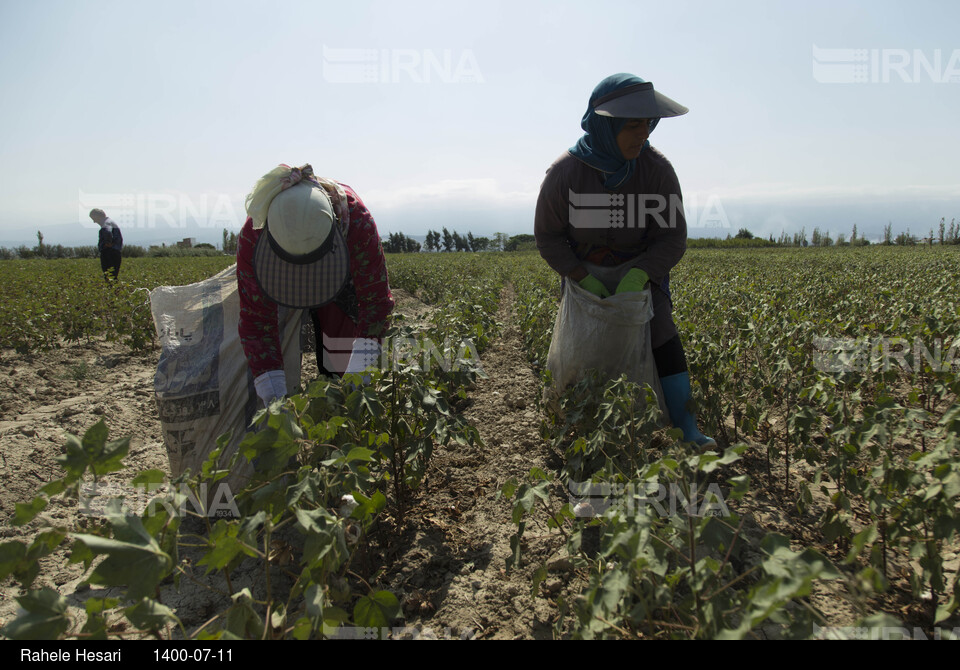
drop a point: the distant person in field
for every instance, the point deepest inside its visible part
(310, 243)
(110, 244)
(614, 159)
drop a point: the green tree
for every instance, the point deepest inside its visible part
(392, 244)
(521, 243)
(905, 240)
(398, 243)
(229, 244)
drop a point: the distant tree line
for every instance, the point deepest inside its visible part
(55, 251)
(446, 241)
(399, 243)
(744, 238)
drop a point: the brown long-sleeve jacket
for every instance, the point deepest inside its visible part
(577, 218)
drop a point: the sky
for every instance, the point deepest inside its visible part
(164, 114)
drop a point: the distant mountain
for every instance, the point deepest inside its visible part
(712, 218)
(75, 235)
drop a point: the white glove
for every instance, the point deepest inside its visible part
(271, 385)
(366, 354)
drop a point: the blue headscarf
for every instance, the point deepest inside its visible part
(598, 146)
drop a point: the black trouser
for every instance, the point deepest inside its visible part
(110, 260)
(668, 354)
(670, 358)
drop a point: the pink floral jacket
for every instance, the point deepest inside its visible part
(362, 310)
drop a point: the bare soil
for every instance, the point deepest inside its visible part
(446, 562)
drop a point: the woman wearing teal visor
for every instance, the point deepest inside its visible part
(645, 230)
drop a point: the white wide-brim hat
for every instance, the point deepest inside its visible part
(639, 101)
(301, 259)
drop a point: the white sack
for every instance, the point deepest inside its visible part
(203, 383)
(611, 335)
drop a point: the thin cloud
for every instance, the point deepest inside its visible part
(788, 192)
(459, 193)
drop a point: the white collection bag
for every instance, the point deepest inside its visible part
(611, 335)
(203, 383)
